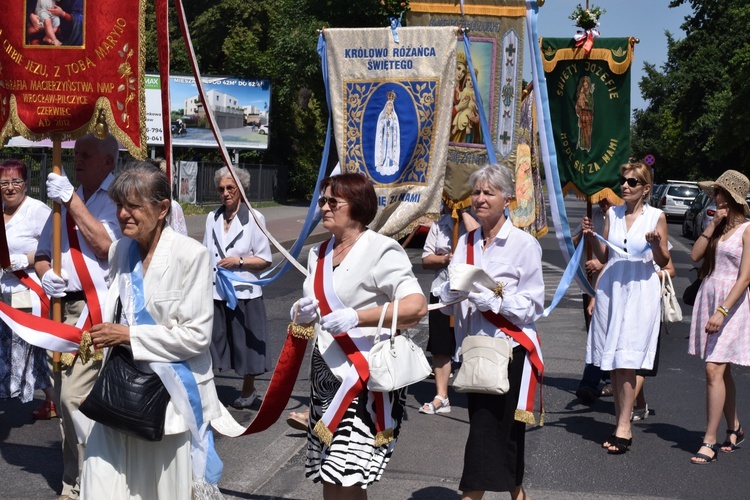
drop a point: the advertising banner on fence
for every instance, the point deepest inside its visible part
(496, 31)
(589, 102)
(391, 107)
(188, 179)
(66, 64)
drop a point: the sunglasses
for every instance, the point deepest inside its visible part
(630, 181)
(333, 203)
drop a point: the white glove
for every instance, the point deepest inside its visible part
(306, 309)
(339, 321)
(447, 295)
(55, 285)
(18, 261)
(59, 188)
(485, 299)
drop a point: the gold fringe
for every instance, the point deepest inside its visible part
(469, 10)
(67, 358)
(568, 54)
(302, 332)
(524, 416)
(422, 219)
(323, 432)
(84, 349)
(605, 193)
(456, 205)
(384, 437)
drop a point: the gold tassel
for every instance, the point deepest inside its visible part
(384, 437)
(323, 432)
(524, 416)
(302, 332)
(67, 358)
(84, 349)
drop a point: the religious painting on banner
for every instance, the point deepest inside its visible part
(391, 110)
(496, 32)
(66, 65)
(589, 101)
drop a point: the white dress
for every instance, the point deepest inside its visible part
(625, 324)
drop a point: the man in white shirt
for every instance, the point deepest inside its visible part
(89, 216)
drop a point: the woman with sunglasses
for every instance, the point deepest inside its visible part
(353, 278)
(624, 327)
(718, 330)
(237, 244)
(23, 367)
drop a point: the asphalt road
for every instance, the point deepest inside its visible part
(563, 459)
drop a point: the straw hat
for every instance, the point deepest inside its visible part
(734, 183)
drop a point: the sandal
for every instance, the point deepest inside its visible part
(733, 446)
(608, 442)
(704, 459)
(242, 403)
(620, 445)
(298, 420)
(443, 406)
(45, 412)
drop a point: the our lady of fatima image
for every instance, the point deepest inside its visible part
(387, 138)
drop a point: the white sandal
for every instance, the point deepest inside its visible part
(444, 406)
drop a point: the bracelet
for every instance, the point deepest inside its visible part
(723, 310)
(709, 239)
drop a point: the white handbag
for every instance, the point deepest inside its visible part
(484, 369)
(396, 362)
(670, 307)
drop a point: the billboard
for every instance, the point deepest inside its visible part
(240, 106)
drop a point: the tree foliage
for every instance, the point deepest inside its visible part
(696, 121)
(274, 39)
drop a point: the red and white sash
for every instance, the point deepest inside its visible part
(533, 367)
(89, 274)
(356, 346)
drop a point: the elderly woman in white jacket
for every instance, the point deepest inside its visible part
(175, 279)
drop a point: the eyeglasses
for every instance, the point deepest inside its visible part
(13, 182)
(228, 189)
(333, 203)
(630, 181)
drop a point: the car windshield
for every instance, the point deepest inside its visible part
(683, 191)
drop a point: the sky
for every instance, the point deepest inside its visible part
(646, 20)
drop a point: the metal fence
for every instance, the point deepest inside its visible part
(267, 182)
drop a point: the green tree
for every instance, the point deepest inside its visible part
(696, 119)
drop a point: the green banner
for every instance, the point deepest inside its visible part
(589, 101)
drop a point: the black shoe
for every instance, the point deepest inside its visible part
(586, 395)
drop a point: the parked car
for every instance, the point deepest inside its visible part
(263, 130)
(655, 192)
(698, 215)
(675, 197)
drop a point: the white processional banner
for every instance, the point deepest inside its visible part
(391, 107)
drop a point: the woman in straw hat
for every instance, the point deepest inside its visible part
(718, 331)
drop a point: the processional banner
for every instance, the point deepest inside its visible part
(66, 65)
(496, 31)
(589, 101)
(391, 110)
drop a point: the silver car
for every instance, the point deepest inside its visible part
(675, 198)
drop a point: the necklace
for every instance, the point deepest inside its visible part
(341, 248)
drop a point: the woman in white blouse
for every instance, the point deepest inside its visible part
(494, 454)
(23, 367)
(236, 243)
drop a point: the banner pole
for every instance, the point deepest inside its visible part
(56, 304)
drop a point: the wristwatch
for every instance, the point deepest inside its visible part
(242, 262)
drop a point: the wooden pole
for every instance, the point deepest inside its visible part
(589, 248)
(56, 304)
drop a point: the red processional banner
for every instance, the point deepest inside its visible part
(67, 65)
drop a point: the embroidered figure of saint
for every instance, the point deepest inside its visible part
(387, 138)
(585, 112)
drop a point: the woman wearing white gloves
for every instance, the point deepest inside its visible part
(352, 277)
(494, 455)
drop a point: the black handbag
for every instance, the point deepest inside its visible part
(688, 296)
(127, 399)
